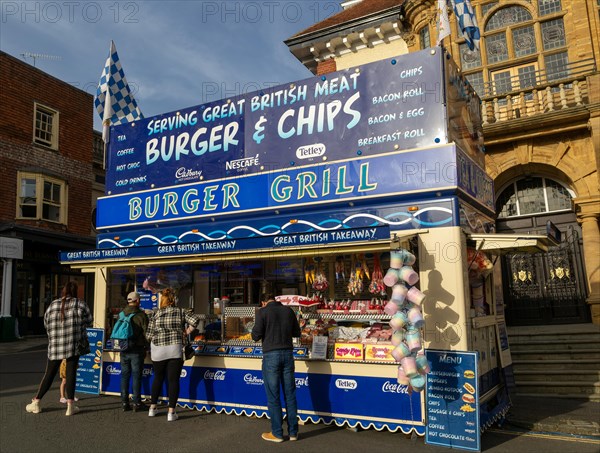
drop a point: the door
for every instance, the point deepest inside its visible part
(546, 288)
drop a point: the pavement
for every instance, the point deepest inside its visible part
(567, 416)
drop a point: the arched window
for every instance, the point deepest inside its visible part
(521, 47)
(533, 195)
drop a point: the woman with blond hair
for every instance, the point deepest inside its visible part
(66, 320)
(165, 332)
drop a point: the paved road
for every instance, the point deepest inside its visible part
(102, 427)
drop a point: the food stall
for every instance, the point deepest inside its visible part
(307, 191)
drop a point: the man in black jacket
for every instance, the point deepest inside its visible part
(132, 360)
(275, 325)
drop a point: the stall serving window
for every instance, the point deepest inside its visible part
(337, 296)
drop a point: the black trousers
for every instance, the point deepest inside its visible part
(171, 369)
(52, 368)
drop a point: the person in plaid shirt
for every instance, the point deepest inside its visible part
(166, 329)
(66, 320)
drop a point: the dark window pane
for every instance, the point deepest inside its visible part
(530, 193)
(553, 34)
(548, 7)
(506, 17)
(507, 202)
(558, 197)
(524, 41)
(497, 50)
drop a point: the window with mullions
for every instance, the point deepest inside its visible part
(424, 37)
(469, 59)
(546, 7)
(553, 34)
(556, 66)
(507, 17)
(45, 127)
(476, 81)
(41, 198)
(533, 196)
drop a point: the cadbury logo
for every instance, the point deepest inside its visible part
(110, 369)
(252, 380)
(184, 173)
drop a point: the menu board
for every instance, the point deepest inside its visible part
(452, 400)
(90, 365)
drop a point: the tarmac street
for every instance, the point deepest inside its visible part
(101, 426)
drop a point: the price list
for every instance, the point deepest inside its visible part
(452, 402)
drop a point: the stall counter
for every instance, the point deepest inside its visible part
(364, 395)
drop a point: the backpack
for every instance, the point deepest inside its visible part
(123, 330)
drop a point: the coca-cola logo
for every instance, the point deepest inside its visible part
(111, 369)
(250, 379)
(393, 387)
(147, 372)
(302, 382)
(346, 384)
(218, 375)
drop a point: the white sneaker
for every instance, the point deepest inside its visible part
(172, 416)
(34, 407)
(152, 412)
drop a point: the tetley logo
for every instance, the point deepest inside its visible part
(346, 384)
(310, 151)
(187, 174)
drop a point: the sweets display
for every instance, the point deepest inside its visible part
(407, 319)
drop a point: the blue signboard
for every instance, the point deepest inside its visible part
(367, 178)
(371, 109)
(452, 400)
(228, 245)
(88, 372)
(354, 400)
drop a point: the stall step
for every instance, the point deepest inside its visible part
(540, 354)
(556, 345)
(556, 364)
(586, 376)
(572, 388)
(591, 397)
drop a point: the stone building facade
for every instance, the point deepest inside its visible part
(536, 74)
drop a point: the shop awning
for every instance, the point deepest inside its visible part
(501, 244)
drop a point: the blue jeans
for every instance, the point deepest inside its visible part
(278, 370)
(132, 364)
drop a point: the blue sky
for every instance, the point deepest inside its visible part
(175, 54)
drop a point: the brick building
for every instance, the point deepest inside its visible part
(49, 179)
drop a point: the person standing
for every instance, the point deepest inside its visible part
(132, 359)
(66, 320)
(276, 325)
(165, 333)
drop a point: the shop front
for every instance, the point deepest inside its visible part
(309, 191)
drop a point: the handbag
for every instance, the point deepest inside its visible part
(187, 350)
(82, 345)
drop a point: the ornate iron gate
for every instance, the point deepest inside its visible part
(546, 288)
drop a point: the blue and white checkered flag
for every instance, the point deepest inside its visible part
(120, 107)
(467, 23)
